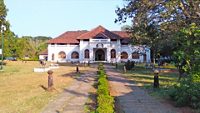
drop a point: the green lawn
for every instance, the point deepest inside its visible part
(144, 78)
(20, 91)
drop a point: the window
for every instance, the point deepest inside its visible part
(113, 53)
(124, 43)
(73, 44)
(52, 56)
(61, 44)
(87, 53)
(99, 45)
(145, 57)
(135, 56)
(85, 39)
(74, 55)
(62, 55)
(124, 55)
(113, 39)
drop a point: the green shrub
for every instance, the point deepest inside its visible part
(100, 67)
(105, 104)
(104, 100)
(129, 65)
(186, 94)
(102, 87)
(102, 90)
(102, 81)
(102, 73)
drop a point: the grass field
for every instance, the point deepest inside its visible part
(20, 90)
(144, 78)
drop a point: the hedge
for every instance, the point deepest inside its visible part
(104, 100)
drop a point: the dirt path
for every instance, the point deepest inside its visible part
(130, 98)
(74, 97)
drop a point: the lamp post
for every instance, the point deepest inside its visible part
(2, 40)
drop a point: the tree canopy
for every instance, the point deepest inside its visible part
(155, 23)
(170, 27)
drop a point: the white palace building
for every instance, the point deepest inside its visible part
(96, 45)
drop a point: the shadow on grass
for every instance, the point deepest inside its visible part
(91, 105)
(75, 93)
(145, 77)
(151, 78)
(136, 95)
(84, 76)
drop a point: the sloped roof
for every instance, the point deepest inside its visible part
(99, 31)
(45, 52)
(74, 36)
(123, 34)
(68, 37)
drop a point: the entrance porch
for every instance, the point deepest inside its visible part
(100, 54)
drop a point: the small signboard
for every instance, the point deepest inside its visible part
(0, 51)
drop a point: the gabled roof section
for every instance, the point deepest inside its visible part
(68, 37)
(45, 52)
(99, 31)
(125, 36)
(122, 34)
(73, 37)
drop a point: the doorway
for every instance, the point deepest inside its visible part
(99, 55)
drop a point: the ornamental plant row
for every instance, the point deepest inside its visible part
(104, 100)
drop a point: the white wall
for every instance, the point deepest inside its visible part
(109, 45)
(68, 49)
(42, 57)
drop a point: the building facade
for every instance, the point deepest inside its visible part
(96, 45)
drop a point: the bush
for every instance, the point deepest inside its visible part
(102, 86)
(129, 65)
(186, 94)
(100, 67)
(104, 100)
(105, 104)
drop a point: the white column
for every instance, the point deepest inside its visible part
(81, 51)
(91, 54)
(118, 51)
(108, 54)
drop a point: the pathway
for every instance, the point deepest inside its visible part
(132, 99)
(74, 97)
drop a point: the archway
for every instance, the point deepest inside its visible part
(74, 55)
(135, 55)
(62, 55)
(87, 53)
(145, 57)
(124, 55)
(99, 55)
(113, 53)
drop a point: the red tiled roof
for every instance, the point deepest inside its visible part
(45, 52)
(74, 36)
(123, 34)
(99, 31)
(68, 37)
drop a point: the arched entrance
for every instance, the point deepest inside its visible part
(99, 55)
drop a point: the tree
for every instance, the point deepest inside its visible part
(173, 24)
(30, 46)
(3, 14)
(4, 26)
(10, 44)
(157, 21)
(145, 29)
(125, 28)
